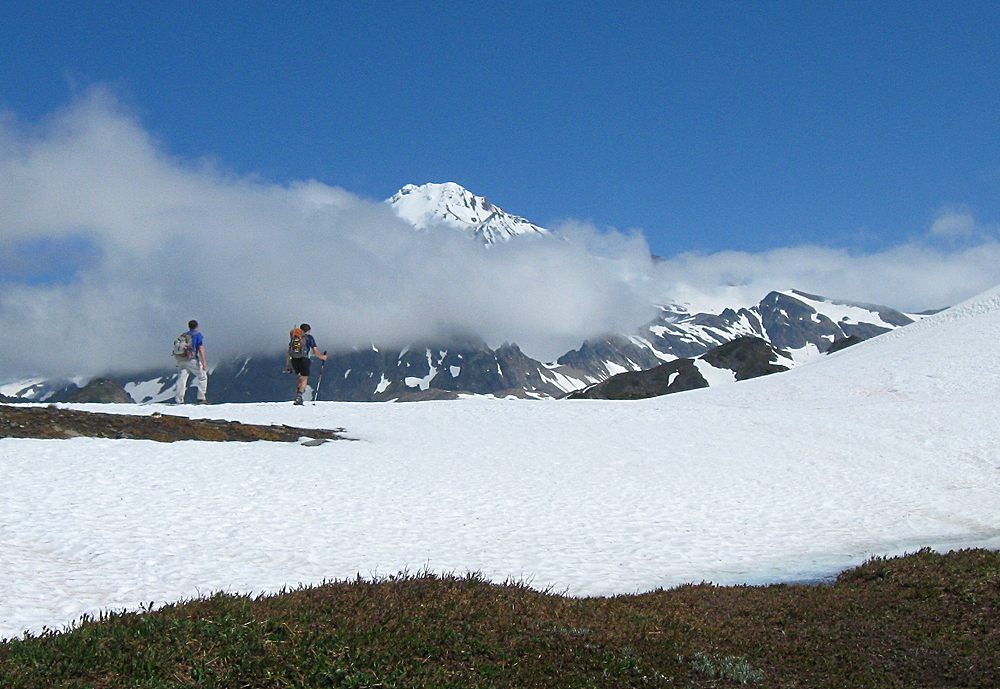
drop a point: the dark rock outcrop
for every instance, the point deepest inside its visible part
(101, 390)
(673, 376)
(747, 357)
(844, 343)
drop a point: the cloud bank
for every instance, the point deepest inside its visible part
(108, 246)
(913, 277)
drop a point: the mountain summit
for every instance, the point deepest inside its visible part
(452, 205)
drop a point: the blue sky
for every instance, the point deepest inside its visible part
(167, 161)
(709, 126)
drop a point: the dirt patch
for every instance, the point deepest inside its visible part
(53, 422)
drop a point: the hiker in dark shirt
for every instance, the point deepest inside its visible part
(301, 344)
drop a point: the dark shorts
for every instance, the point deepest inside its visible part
(302, 366)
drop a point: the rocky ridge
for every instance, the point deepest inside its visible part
(801, 326)
(52, 422)
(745, 357)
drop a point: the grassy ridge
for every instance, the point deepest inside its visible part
(925, 620)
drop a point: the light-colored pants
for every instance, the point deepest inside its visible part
(190, 367)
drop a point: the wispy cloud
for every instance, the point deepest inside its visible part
(954, 221)
(915, 276)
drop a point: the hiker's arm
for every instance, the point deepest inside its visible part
(201, 355)
(317, 353)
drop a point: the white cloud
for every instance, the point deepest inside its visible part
(914, 277)
(145, 242)
(172, 241)
(954, 222)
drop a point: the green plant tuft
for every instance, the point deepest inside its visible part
(735, 668)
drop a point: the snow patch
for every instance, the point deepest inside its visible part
(422, 383)
(614, 369)
(16, 388)
(714, 376)
(151, 391)
(452, 205)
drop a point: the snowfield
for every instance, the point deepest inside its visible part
(880, 449)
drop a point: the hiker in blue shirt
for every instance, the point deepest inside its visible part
(189, 352)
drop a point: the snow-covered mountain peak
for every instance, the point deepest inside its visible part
(452, 205)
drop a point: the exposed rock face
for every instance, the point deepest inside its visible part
(747, 357)
(381, 374)
(594, 355)
(101, 390)
(674, 376)
(793, 324)
(844, 343)
(792, 320)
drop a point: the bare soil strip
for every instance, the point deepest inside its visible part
(52, 422)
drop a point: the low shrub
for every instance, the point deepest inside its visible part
(924, 620)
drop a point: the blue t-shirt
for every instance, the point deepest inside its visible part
(310, 342)
(197, 340)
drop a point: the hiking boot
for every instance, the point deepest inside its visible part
(202, 401)
(298, 399)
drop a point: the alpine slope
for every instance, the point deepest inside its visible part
(879, 449)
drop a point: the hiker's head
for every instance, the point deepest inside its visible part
(304, 327)
(192, 324)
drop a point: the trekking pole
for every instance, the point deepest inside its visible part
(320, 380)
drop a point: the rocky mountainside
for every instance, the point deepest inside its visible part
(796, 325)
(743, 358)
(804, 325)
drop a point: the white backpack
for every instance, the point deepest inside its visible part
(183, 348)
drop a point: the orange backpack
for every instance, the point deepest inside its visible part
(297, 347)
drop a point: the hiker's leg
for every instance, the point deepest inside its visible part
(202, 379)
(181, 387)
